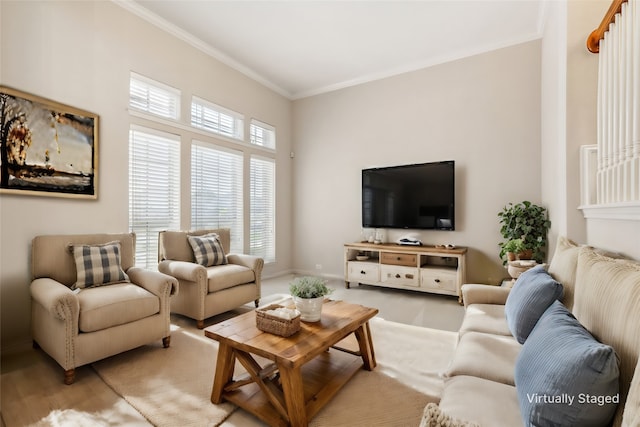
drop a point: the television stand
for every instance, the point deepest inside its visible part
(419, 268)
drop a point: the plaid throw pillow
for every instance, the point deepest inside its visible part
(98, 265)
(207, 250)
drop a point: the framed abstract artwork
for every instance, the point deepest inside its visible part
(46, 148)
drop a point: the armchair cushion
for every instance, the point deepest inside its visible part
(208, 250)
(228, 276)
(102, 308)
(98, 265)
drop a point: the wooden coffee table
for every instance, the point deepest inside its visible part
(301, 373)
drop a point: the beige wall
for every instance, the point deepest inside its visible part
(80, 54)
(553, 122)
(483, 112)
(582, 82)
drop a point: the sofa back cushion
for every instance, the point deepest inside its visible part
(563, 267)
(51, 255)
(563, 376)
(174, 245)
(532, 293)
(607, 303)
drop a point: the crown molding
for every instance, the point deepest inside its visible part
(455, 56)
(197, 43)
(140, 11)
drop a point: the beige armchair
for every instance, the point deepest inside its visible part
(207, 291)
(76, 322)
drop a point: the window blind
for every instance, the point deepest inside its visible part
(217, 190)
(262, 134)
(262, 199)
(153, 97)
(214, 118)
(154, 189)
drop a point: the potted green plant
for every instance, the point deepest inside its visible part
(516, 249)
(308, 294)
(529, 223)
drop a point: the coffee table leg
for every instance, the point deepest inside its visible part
(294, 396)
(363, 335)
(224, 372)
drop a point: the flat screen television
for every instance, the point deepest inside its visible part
(418, 196)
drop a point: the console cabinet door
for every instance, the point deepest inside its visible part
(439, 280)
(399, 276)
(363, 272)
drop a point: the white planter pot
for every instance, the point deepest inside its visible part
(516, 268)
(310, 308)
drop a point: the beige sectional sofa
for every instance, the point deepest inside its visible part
(486, 382)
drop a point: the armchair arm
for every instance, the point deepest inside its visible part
(484, 294)
(155, 282)
(56, 298)
(255, 263)
(183, 270)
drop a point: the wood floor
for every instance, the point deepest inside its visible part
(41, 390)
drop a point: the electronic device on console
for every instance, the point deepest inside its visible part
(410, 240)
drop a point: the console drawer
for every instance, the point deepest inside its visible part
(399, 276)
(399, 258)
(365, 272)
(437, 278)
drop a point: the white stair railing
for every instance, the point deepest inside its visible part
(618, 108)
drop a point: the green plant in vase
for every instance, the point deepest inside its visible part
(516, 249)
(308, 294)
(529, 223)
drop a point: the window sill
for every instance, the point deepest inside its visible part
(614, 211)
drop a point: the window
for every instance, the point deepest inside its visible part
(217, 191)
(153, 97)
(262, 134)
(214, 118)
(154, 189)
(262, 199)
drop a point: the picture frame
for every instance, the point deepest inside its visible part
(46, 148)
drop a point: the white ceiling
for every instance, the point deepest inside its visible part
(304, 47)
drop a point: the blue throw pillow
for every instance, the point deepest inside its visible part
(531, 295)
(563, 376)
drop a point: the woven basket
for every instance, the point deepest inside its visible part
(276, 325)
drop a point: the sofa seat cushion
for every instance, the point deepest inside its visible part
(227, 276)
(488, 356)
(484, 402)
(105, 307)
(487, 318)
(560, 369)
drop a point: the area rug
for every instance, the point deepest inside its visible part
(408, 377)
(169, 386)
(172, 386)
